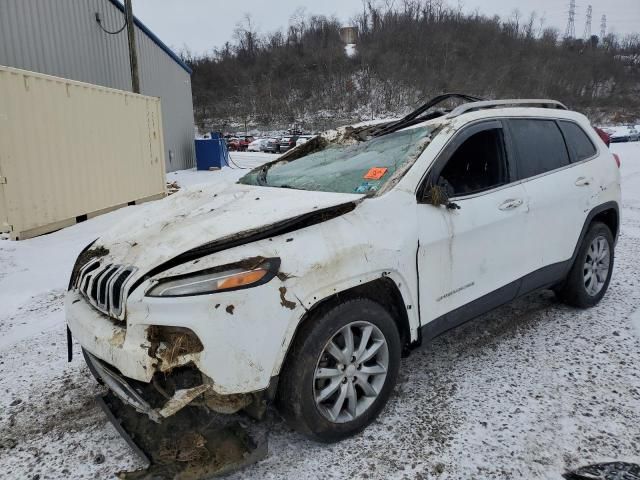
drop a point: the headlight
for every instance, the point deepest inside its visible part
(249, 273)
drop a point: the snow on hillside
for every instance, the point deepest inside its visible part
(521, 393)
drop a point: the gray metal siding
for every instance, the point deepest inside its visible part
(62, 38)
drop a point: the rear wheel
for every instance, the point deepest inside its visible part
(590, 275)
(341, 370)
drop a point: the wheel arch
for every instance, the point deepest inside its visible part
(383, 290)
(610, 217)
(607, 213)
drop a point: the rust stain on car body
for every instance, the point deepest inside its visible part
(284, 302)
(117, 339)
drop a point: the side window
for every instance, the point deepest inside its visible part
(476, 165)
(540, 146)
(577, 141)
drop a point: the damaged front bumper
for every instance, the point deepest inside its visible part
(120, 387)
(128, 395)
(239, 348)
(167, 394)
(179, 439)
(114, 343)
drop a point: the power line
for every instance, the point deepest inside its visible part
(570, 31)
(587, 23)
(603, 27)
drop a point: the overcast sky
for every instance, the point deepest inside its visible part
(203, 24)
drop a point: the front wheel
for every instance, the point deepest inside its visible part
(341, 370)
(590, 274)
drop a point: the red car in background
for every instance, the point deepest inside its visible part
(239, 144)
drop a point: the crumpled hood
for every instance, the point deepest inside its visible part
(161, 230)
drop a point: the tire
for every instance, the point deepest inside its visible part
(309, 359)
(579, 292)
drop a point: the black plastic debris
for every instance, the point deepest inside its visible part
(605, 471)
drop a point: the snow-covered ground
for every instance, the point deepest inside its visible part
(521, 393)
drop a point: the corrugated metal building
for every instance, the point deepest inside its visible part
(63, 38)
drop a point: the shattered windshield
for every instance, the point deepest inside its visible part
(363, 167)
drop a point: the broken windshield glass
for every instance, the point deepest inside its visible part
(365, 167)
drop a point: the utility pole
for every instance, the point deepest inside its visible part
(133, 54)
(570, 31)
(603, 27)
(587, 24)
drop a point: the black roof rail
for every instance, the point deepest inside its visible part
(525, 102)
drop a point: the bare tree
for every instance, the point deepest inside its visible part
(407, 50)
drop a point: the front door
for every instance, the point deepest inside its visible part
(471, 253)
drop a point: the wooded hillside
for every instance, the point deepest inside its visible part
(406, 55)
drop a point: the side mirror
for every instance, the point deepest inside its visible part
(436, 195)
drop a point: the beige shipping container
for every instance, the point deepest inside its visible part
(71, 150)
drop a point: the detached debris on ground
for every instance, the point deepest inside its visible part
(172, 187)
(606, 471)
(190, 445)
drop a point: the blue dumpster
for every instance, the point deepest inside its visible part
(211, 153)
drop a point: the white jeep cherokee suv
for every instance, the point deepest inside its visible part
(304, 282)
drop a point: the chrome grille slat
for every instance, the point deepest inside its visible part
(84, 272)
(84, 269)
(93, 285)
(102, 293)
(117, 304)
(113, 275)
(104, 286)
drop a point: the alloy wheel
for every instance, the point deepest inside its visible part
(596, 265)
(350, 372)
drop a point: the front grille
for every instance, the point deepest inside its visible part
(104, 286)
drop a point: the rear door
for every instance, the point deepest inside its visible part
(558, 182)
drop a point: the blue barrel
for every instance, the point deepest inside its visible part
(211, 153)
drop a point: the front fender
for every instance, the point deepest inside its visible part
(313, 297)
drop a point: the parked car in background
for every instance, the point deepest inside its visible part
(287, 143)
(624, 134)
(258, 145)
(245, 142)
(233, 143)
(304, 283)
(239, 144)
(272, 145)
(284, 144)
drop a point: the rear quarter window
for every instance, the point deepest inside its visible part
(578, 141)
(539, 145)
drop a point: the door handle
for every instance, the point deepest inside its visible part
(511, 204)
(582, 181)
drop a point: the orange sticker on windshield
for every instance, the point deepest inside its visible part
(375, 173)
